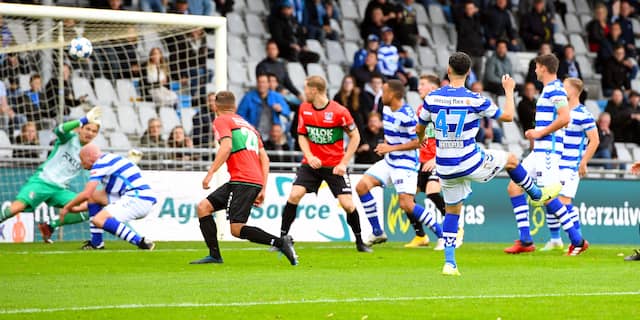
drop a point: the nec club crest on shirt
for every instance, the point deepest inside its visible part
(328, 116)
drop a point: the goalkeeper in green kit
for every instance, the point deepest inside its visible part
(50, 182)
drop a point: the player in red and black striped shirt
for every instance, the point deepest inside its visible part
(321, 127)
(248, 165)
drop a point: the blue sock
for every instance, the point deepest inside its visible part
(449, 232)
(521, 210)
(427, 218)
(554, 226)
(559, 210)
(369, 205)
(119, 229)
(575, 217)
(96, 233)
(520, 176)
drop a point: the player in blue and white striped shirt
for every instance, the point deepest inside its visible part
(580, 144)
(400, 164)
(456, 113)
(552, 115)
(126, 196)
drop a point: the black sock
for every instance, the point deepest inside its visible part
(353, 220)
(258, 235)
(210, 234)
(417, 225)
(288, 215)
(439, 202)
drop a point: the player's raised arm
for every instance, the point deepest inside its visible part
(224, 151)
(93, 116)
(509, 108)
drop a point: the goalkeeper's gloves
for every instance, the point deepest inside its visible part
(135, 155)
(93, 116)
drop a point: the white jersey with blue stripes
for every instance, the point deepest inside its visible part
(399, 128)
(388, 59)
(553, 96)
(456, 114)
(575, 137)
(121, 177)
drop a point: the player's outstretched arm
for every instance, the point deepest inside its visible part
(93, 116)
(509, 108)
(221, 157)
(594, 141)
(80, 198)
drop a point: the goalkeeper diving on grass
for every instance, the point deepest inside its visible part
(50, 182)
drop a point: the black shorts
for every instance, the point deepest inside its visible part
(424, 177)
(311, 179)
(236, 198)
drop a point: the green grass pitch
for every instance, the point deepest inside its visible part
(333, 281)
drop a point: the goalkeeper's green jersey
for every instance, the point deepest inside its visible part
(63, 164)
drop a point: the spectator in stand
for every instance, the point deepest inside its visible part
(155, 80)
(115, 4)
(277, 66)
(373, 43)
(525, 6)
(28, 137)
(178, 139)
(373, 25)
(606, 148)
(318, 22)
(152, 138)
(13, 66)
(179, 7)
(128, 65)
(370, 138)
(371, 96)
(15, 96)
(277, 142)
(497, 25)
(289, 35)
(349, 97)
(36, 106)
(618, 72)
(497, 66)
(188, 63)
(569, 67)
(545, 48)
(598, 28)
(51, 94)
(202, 131)
(224, 6)
(389, 61)
(487, 130)
(9, 119)
(628, 34)
(628, 119)
(200, 7)
(364, 73)
(405, 25)
(536, 27)
(527, 109)
(263, 108)
(608, 46)
(154, 5)
(471, 37)
(615, 108)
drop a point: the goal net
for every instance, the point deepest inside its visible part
(151, 73)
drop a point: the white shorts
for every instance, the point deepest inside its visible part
(543, 168)
(403, 180)
(128, 208)
(458, 189)
(570, 180)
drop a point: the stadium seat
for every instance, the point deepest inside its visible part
(238, 73)
(119, 140)
(413, 99)
(151, 40)
(511, 133)
(235, 24)
(314, 69)
(427, 57)
(5, 142)
(256, 48)
(516, 149)
(255, 26)
(436, 15)
(592, 106)
(76, 113)
(46, 137)
(316, 46)
(440, 37)
(572, 23)
(578, 43)
(105, 92)
(349, 10)
(421, 15)
(296, 73)
(635, 85)
(334, 75)
(424, 32)
(570, 6)
(335, 25)
(335, 52)
(586, 67)
(350, 29)
(211, 87)
(101, 141)
(560, 39)
(559, 24)
(636, 153)
(350, 49)
(239, 5)
(410, 52)
(584, 20)
(251, 71)
(582, 7)
(257, 6)
(169, 119)
(81, 87)
(146, 111)
(18, 31)
(237, 92)
(237, 49)
(362, 7)
(495, 146)
(186, 118)
(126, 90)
(109, 120)
(635, 24)
(442, 55)
(623, 152)
(128, 120)
(23, 80)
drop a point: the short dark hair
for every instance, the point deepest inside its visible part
(377, 75)
(34, 77)
(502, 40)
(568, 46)
(460, 63)
(549, 61)
(262, 74)
(270, 41)
(225, 99)
(618, 46)
(396, 87)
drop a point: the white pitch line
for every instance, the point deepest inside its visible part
(79, 251)
(313, 301)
